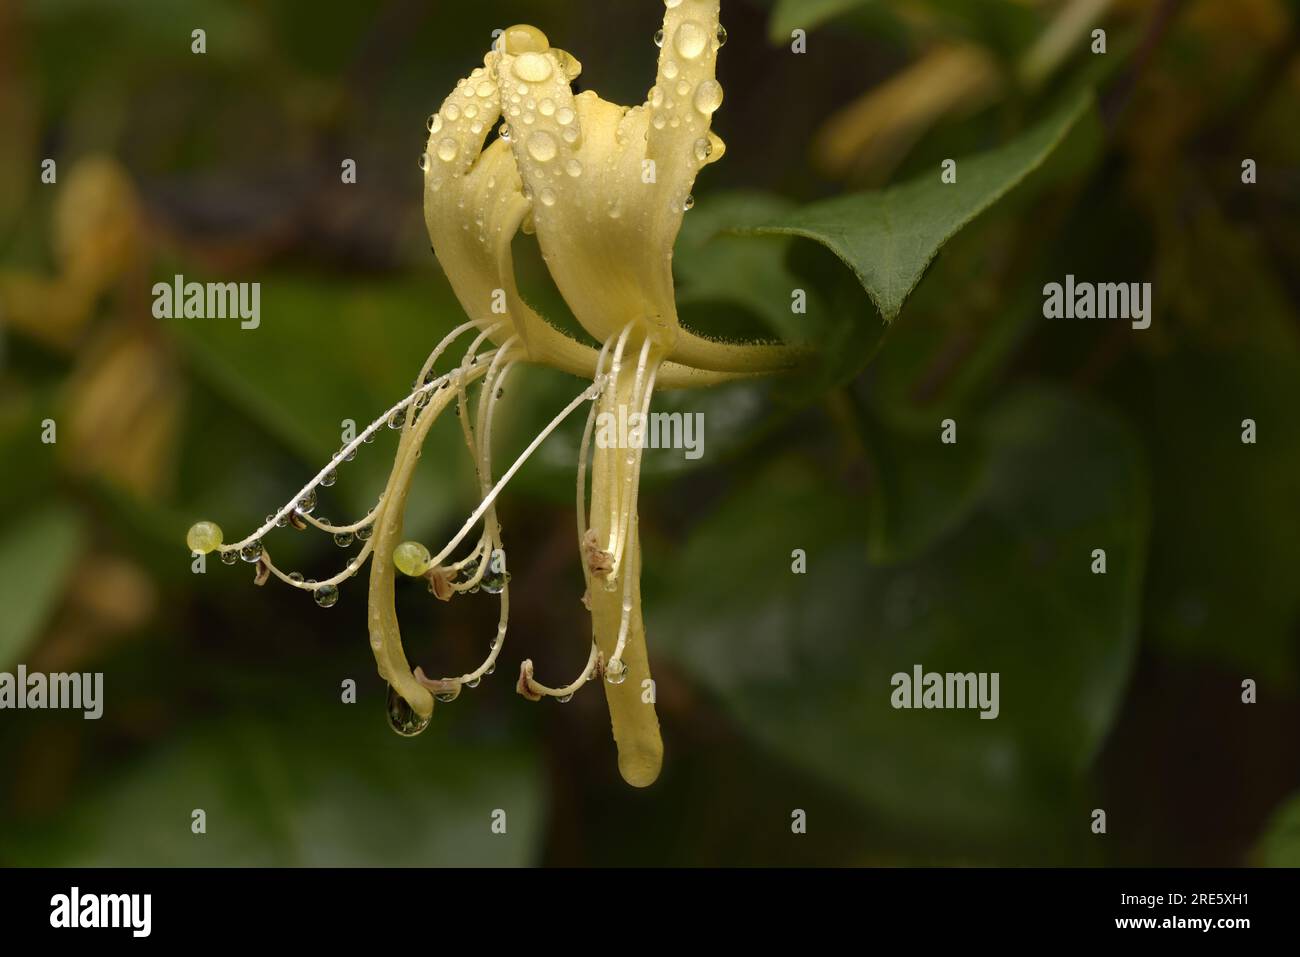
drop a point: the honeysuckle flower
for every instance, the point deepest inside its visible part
(604, 189)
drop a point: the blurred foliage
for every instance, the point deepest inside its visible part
(923, 303)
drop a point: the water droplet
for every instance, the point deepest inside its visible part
(485, 88)
(229, 556)
(204, 537)
(541, 146)
(452, 112)
(504, 132)
(570, 135)
(307, 504)
(656, 97)
(490, 669)
(547, 196)
(472, 683)
(708, 97)
(574, 168)
(659, 38)
(721, 38)
(364, 532)
(616, 672)
(329, 478)
(402, 717)
(447, 697)
(434, 123)
(252, 552)
(493, 581)
(670, 69)
(397, 420)
(564, 116)
(448, 149)
(327, 596)
(344, 539)
(533, 68)
(672, 4)
(524, 39)
(564, 698)
(689, 204)
(296, 577)
(703, 149)
(546, 107)
(690, 40)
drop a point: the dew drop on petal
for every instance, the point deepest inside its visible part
(541, 146)
(659, 38)
(689, 204)
(402, 718)
(690, 40)
(434, 123)
(533, 68)
(574, 168)
(424, 162)
(547, 196)
(448, 149)
(670, 69)
(708, 97)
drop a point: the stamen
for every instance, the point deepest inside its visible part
(535, 691)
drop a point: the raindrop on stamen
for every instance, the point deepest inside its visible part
(327, 596)
(251, 552)
(364, 532)
(329, 478)
(307, 504)
(344, 539)
(229, 556)
(397, 420)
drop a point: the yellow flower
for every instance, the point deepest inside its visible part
(604, 188)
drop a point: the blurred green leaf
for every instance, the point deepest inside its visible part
(804, 661)
(790, 15)
(305, 787)
(1227, 530)
(923, 489)
(37, 553)
(1280, 845)
(888, 238)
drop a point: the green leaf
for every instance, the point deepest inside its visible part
(1227, 531)
(37, 553)
(804, 662)
(789, 15)
(307, 787)
(889, 237)
(1280, 845)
